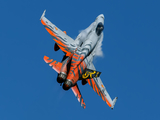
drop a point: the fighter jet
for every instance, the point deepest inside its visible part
(76, 64)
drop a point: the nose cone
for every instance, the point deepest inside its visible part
(100, 18)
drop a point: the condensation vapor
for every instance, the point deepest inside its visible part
(99, 51)
(83, 35)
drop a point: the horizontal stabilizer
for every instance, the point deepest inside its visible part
(53, 63)
(114, 102)
(78, 95)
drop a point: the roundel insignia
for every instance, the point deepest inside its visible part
(102, 86)
(56, 28)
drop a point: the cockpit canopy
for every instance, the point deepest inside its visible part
(99, 28)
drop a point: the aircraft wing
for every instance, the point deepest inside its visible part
(60, 37)
(77, 93)
(100, 89)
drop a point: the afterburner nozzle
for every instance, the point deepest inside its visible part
(61, 77)
(67, 84)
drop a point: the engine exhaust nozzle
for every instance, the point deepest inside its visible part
(61, 77)
(67, 84)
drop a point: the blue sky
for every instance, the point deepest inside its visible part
(130, 66)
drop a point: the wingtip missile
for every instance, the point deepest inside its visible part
(43, 14)
(114, 102)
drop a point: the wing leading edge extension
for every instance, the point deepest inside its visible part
(100, 89)
(60, 37)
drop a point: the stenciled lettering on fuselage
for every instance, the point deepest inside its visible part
(89, 74)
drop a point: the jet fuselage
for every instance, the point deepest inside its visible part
(87, 41)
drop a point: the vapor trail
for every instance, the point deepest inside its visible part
(99, 51)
